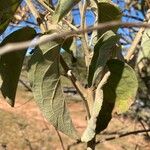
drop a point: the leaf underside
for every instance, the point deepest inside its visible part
(119, 92)
(45, 78)
(102, 51)
(117, 95)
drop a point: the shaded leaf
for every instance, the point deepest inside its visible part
(67, 44)
(45, 78)
(7, 10)
(119, 92)
(108, 11)
(102, 51)
(122, 85)
(11, 63)
(63, 7)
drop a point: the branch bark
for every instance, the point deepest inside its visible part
(19, 46)
(84, 38)
(51, 11)
(136, 41)
(117, 136)
(37, 16)
(81, 90)
(120, 135)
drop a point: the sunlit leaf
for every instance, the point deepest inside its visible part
(7, 10)
(63, 7)
(102, 51)
(45, 79)
(11, 63)
(122, 85)
(144, 55)
(119, 92)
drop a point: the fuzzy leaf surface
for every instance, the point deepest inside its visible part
(45, 78)
(11, 63)
(119, 92)
(102, 51)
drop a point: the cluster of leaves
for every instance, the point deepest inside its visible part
(45, 76)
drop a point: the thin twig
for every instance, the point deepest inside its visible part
(36, 15)
(123, 135)
(117, 136)
(25, 85)
(144, 127)
(59, 136)
(133, 17)
(60, 139)
(134, 44)
(73, 144)
(136, 41)
(81, 90)
(104, 80)
(24, 103)
(83, 38)
(44, 39)
(98, 101)
(51, 11)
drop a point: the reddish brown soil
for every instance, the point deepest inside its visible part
(35, 133)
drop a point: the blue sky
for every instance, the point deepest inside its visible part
(89, 19)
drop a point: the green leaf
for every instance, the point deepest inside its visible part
(102, 51)
(7, 10)
(144, 55)
(119, 92)
(108, 11)
(44, 75)
(11, 63)
(122, 85)
(63, 7)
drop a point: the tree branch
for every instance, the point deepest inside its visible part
(134, 44)
(136, 41)
(60, 139)
(81, 90)
(37, 16)
(119, 135)
(83, 38)
(108, 25)
(51, 11)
